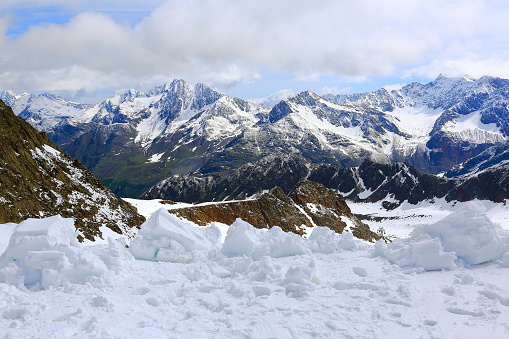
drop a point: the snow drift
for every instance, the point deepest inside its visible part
(44, 253)
(165, 237)
(467, 234)
(256, 283)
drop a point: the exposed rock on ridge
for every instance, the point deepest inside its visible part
(310, 204)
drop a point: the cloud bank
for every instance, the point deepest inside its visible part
(223, 43)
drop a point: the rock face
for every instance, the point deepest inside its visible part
(310, 204)
(37, 180)
(391, 183)
(327, 208)
(489, 184)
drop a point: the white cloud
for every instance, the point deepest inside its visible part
(274, 98)
(223, 43)
(393, 87)
(474, 66)
(335, 90)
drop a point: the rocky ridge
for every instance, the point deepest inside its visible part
(309, 205)
(38, 180)
(392, 184)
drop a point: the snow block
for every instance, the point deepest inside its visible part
(469, 233)
(325, 240)
(244, 239)
(241, 239)
(45, 253)
(165, 237)
(422, 251)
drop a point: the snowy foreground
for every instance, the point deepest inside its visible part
(448, 278)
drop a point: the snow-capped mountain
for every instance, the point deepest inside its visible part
(445, 122)
(43, 111)
(133, 140)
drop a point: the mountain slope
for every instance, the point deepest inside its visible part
(38, 180)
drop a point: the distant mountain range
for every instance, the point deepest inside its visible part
(456, 127)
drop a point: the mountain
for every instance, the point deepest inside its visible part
(494, 157)
(135, 140)
(284, 171)
(38, 180)
(132, 141)
(42, 111)
(445, 122)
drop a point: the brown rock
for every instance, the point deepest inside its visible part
(328, 208)
(321, 207)
(271, 209)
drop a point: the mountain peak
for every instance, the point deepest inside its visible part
(308, 94)
(308, 98)
(176, 85)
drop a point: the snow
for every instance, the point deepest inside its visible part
(469, 233)
(187, 282)
(472, 122)
(242, 239)
(164, 233)
(147, 207)
(417, 121)
(155, 157)
(44, 253)
(5, 235)
(51, 150)
(401, 221)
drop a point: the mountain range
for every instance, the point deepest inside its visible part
(135, 142)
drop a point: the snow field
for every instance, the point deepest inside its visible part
(177, 280)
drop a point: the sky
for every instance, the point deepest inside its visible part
(87, 50)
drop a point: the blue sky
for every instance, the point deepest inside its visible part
(87, 49)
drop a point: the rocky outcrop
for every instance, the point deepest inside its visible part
(327, 208)
(389, 183)
(38, 180)
(310, 204)
(490, 184)
(273, 208)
